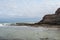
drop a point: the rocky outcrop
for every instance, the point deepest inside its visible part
(51, 18)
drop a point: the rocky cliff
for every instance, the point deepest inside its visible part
(51, 18)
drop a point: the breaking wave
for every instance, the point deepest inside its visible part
(5, 24)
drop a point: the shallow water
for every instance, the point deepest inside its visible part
(28, 33)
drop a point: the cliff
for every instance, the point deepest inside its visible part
(51, 18)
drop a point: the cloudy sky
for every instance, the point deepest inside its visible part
(26, 10)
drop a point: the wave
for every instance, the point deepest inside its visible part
(1, 24)
(5, 24)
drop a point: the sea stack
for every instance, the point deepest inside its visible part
(51, 18)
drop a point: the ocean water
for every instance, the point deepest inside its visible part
(28, 33)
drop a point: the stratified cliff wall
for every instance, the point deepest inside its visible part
(51, 18)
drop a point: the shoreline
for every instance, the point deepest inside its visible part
(38, 25)
(31, 25)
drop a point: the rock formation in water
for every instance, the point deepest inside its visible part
(51, 18)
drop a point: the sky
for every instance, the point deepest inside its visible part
(26, 10)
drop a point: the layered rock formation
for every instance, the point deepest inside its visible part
(51, 18)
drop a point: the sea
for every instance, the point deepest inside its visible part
(8, 32)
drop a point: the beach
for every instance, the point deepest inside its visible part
(28, 33)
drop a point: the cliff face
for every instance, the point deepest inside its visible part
(51, 18)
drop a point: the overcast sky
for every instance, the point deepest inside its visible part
(27, 8)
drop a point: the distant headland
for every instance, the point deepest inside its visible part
(53, 19)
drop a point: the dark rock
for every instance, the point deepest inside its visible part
(47, 39)
(51, 18)
(58, 11)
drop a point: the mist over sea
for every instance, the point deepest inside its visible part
(28, 33)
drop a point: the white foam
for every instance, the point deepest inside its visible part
(1, 24)
(4, 24)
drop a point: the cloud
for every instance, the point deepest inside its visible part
(27, 8)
